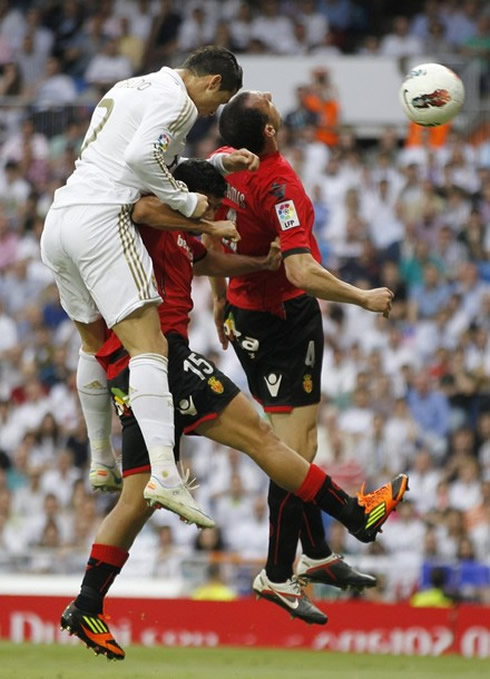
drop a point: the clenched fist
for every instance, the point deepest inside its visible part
(378, 300)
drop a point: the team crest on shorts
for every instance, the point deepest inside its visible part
(307, 383)
(216, 385)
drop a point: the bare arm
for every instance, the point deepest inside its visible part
(218, 263)
(306, 273)
(151, 211)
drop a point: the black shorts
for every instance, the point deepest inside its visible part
(282, 357)
(200, 392)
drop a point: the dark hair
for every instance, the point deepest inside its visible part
(201, 177)
(211, 60)
(242, 126)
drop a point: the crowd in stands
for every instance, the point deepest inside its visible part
(410, 393)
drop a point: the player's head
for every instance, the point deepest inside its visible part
(213, 76)
(249, 120)
(202, 177)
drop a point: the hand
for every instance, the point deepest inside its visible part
(223, 229)
(201, 206)
(219, 321)
(239, 160)
(274, 257)
(379, 300)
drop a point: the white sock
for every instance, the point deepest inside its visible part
(96, 407)
(152, 405)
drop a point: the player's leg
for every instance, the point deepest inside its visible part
(91, 379)
(239, 426)
(96, 408)
(291, 517)
(150, 397)
(84, 616)
(297, 429)
(116, 279)
(115, 536)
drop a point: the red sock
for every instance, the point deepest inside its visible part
(312, 483)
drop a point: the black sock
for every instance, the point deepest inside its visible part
(312, 533)
(104, 565)
(336, 502)
(285, 511)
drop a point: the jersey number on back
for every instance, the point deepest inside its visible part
(108, 105)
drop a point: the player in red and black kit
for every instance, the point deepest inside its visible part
(274, 323)
(206, 402)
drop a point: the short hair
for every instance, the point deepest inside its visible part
(242, 126)
(211, 60)
(201, 177)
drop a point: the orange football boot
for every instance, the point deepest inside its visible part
(378, 505)
(93, 630)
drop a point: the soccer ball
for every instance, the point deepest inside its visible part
(431, 94)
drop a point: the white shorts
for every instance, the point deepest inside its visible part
(99, 262)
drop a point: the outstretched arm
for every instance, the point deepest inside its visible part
(220, 264)
(304, 272)
(151, 211)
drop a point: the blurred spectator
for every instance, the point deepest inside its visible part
(435, 595)
(461, 22)
(215, 589)
(55, 88)
(316, 23)
(197, 29)
(12, 24)
(273, 29)
(162, 40)
(131, 45)
(427, 299)
(424, 479)
(400, 43)
(322, 101)
(338, 12)
(429, 407)
(11, 80)
(422, 21)
(107, 67)
(435, 42)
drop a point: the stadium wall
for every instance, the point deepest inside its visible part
(152, 619)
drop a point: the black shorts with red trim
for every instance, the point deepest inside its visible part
(200, 392)
(281, 357)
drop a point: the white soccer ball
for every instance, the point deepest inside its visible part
(431, 94)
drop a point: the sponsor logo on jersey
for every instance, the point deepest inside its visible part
(216, 385)
(186, 406)
(163, 142)
(287, 215)
(278, 191)
(273, 382)
(307, 383)
(182, 243)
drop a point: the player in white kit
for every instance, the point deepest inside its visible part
(102, 270)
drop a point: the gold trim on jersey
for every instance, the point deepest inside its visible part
(183, 118)
(126, 235)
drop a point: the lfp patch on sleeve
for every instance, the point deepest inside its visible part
(287, 215)
(163, 142)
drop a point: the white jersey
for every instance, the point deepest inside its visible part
(137, 131)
